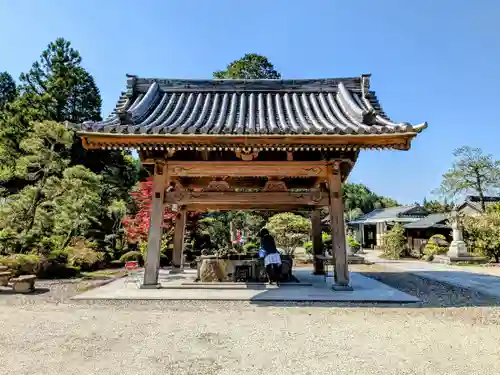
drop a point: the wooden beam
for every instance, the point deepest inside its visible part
(264, 200)
(248, 168)
(249, 207)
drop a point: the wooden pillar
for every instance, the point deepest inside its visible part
(152, 266)
(337, 227)
(317, 243)
(362, 239)
(179, 230)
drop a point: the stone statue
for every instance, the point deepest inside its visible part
(458, 248)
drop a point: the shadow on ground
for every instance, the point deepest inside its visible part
(430, 292)
(37, 291)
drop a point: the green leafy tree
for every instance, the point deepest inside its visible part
(435, 206)
(250, 66)
(74, 202)
(216, 225)
(482, 233)
(59, 203)
(471, 172)
(359, 200)
(387, 202)
(8, 90)
(42, 159)
(289, 230)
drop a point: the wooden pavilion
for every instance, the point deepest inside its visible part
(248, 144)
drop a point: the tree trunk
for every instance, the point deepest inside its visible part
(480, 192)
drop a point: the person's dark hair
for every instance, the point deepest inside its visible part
(263, 232)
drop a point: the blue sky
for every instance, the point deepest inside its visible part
(435, 61)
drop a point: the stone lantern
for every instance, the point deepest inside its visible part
(458, 247)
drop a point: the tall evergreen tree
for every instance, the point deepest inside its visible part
(8, 89)
(60, 86)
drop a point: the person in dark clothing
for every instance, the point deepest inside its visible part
(272, 258)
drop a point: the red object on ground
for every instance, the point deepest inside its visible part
(131, 265)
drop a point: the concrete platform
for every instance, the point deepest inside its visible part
(364, 290)
(445, 259)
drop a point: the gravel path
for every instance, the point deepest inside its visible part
(47, 334)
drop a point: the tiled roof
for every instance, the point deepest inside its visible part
(475, 202)
(433, 220)
(340, 106)
(400, 214)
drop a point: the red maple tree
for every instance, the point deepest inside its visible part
(136, 226)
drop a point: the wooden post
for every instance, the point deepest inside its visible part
(337, 227)
(362, 230)
(152, 266)
(180, 226)
(317, 243)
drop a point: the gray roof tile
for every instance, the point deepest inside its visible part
(401, 213)
(232, 107)
(433, 220)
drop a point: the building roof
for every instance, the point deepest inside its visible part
(338, 106)
(431, 221)
(474, 202)
(400, 214)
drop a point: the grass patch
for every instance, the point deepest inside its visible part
(104, 274)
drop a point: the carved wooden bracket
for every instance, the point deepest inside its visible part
(275, 185)
(159, 164)
(336, 168)
(218, 185)
(246, 155)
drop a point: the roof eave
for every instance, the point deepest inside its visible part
(398, 141)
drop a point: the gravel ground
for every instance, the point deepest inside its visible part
(47, 333)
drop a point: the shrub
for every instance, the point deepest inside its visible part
(132, 256)
(482, 233)
(116, 264)
(53, 270)
(251, 247)
(22, 264)
(437, 244)
(55, 265)
(394, 242)
(308, 246)
(84, 258)
(58, 256)
(353, 244)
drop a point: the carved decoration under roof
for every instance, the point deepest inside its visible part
(218, 185)
(275, 185)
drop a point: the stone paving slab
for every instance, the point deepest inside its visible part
(365, 289)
